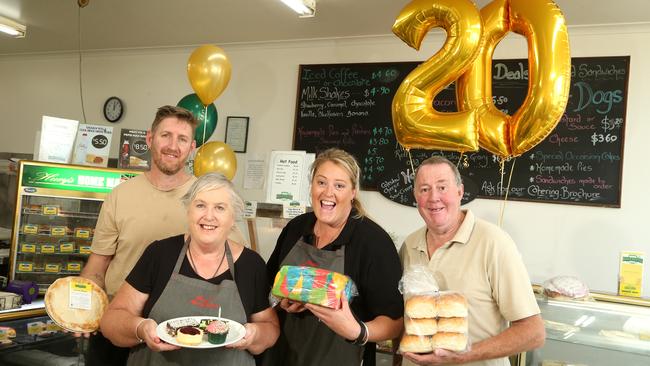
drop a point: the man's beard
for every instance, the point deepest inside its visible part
(166, 169)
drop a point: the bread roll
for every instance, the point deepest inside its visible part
(452, 305)
(450, 341)
(421, 306)
(454, 325)
(416, 344)
(420, 326)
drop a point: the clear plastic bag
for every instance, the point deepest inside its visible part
(432, 319)
(312, 285)
(566, 287)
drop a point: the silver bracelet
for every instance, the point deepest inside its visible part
(367, 333)
(140, 340)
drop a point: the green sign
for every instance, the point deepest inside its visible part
(72, 178)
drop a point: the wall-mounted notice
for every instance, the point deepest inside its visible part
(134, 151)
(286, 176)
(580, 162)
(57, 139)
(93, 145)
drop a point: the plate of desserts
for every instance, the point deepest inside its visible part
(200, 331)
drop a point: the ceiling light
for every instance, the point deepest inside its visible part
(12, 28)
(304, 8)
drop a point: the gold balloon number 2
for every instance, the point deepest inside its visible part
(466, 57)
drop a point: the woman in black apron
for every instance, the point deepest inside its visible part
(197, 274)
(337, 237)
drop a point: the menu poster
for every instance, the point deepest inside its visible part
(286, 176)
(93, 145)
(57, 139)
(134, 151)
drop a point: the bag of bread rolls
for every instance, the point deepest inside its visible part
(432, 319)
(312, 285)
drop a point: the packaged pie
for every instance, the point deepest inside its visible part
(76, 304)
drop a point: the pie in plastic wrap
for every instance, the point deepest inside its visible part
(57, 305)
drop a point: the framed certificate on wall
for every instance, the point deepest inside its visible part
(237, 133)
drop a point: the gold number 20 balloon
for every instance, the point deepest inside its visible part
(543, 25)
(416, 123)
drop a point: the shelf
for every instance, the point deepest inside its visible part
(65, 214)
(76, 254)
(67, 236)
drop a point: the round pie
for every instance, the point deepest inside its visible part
(57, 304)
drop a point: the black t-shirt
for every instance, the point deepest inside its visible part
(153, 270)
(371, 261)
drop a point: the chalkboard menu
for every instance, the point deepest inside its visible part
(580, 162)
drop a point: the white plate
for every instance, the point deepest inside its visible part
(236, 332)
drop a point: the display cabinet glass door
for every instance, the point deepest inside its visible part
(54, 238)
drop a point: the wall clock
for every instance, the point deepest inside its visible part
(113, 109)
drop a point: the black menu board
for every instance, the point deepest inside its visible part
(580, 162)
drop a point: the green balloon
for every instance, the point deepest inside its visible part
(207, 121)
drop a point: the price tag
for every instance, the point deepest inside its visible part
(66, 248)
(51, 326)
(292, 209)
(30, 229)
(57, 231)
(73, 267)
(47, 249)
(82, 233)
(35, 327)
(50, 210)
(250, 209)
(631, 274)
(53, 268)
(28, 248)
(25, 267)
(84, 249)
(80, 294)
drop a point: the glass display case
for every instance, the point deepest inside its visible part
(610, 330)
(38, 341)
(57, 207)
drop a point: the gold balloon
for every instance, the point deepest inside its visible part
(209, 72)
(549, 71)
(416, 123)
(215, 156)
(474, 88)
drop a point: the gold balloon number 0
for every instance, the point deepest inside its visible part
(466, 56)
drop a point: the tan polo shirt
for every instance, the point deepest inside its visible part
(483, 263)
(134, 215)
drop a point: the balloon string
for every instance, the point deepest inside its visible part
(503, 204)
(408, 151)
(460, 158)
(205, 122)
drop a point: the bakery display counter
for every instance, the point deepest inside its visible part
(38, 341)
(607, 330)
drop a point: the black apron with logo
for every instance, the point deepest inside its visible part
(185, 296)
(304, 341)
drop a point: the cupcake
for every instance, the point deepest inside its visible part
(217, 332)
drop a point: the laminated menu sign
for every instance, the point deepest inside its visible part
(631, 274)
(287, 172)
(134, 151)
(57, 139)
(93, 145)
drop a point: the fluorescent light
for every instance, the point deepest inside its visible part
(304, 8)
(12, 28)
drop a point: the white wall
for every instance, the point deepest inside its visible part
(553, 239)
